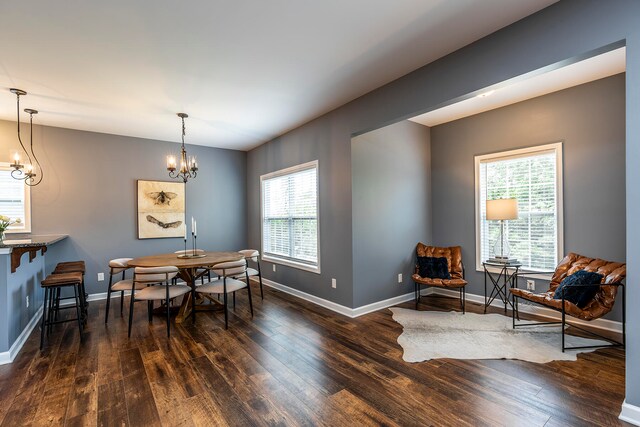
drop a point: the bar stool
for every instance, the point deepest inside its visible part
(117, 266)
(71, 267)
(52, 285)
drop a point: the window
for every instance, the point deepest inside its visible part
(534, 177)
(15, 200)
(290, 217)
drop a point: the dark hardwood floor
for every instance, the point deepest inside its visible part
(294, 364)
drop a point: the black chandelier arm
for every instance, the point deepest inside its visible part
(18, 175)
(18, 123)
(30, 182)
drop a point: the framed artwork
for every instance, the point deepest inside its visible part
(161, 209)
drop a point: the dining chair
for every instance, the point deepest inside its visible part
(157, 282)
(227, 283)
(117, 266)
(197, 251)
(254, 256)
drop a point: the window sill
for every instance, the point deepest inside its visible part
(289, 263)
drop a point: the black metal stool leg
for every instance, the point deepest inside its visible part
(44, 317)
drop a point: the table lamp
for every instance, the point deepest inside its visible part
(502, 210)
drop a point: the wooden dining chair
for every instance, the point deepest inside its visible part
(226, 283)
(158, 286)
(254, 256)
(117, 266)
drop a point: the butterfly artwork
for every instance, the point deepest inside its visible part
(162, 197)
(161, 209)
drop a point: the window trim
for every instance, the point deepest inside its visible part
(27, 206)
(510, 154)
(286, 261)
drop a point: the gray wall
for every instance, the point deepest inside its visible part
(562, 33)
(89, 193)
(589, 120)
(391, 181)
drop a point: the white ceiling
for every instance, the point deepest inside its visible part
(538, 84)
(245, 71)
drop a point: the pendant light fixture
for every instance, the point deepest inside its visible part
(188, 166)
(28, 175)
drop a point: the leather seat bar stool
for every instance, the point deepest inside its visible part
(52, 285)
(117, 266)
(253, 256)
(71, 267)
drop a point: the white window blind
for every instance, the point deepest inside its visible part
(290, 216)
(14, 200)
(531, 177)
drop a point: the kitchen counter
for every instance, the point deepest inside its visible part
(31, 244)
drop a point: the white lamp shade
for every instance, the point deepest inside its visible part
(500, 209)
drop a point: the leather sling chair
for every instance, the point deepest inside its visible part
(453, 254)
(613, 274)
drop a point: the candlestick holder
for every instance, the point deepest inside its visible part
(194, 249)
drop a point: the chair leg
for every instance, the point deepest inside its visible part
(416, 290)
(150, 310)
(131, 304)
(226, 309)
(52, 311)
(44, 316)
(249, 294)
(121, 303)
(563, 322)
(234, 300)
(106, 314)
(56, 302)
(168, 314)
(76, 291)
(260, 279)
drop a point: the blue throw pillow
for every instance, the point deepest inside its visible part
(579, 295)
(433, 268)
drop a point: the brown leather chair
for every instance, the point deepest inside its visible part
(613, 274)
(453, 254)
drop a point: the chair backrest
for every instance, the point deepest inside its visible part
(250, 254)
(154, 274)
(189, 251)
(612, 272)
(119, 265)
(231, 268)
(453, 254)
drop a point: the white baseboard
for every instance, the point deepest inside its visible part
(338, 308)
(630, 413)
(9, 356)
(603, 324)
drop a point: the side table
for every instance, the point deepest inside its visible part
(506, 278)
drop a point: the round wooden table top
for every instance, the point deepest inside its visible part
(165, 260)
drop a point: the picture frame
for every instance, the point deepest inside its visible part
(160, 209)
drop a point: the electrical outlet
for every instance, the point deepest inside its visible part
(274, 267)
(400, 278)
(100, 277)
(531, 285)
(333, 283)
(27, 301)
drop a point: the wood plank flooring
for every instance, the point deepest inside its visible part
(293, 364)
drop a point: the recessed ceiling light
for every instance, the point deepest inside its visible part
(485, 94)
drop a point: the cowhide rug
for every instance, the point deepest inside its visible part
(435, 334)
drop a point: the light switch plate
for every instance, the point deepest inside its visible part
(100, 277)
(333, 283)
(531, 285)
(400, 278)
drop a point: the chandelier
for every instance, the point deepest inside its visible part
(25, 172)
(188, 166)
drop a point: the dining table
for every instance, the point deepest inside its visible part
(190, 269)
